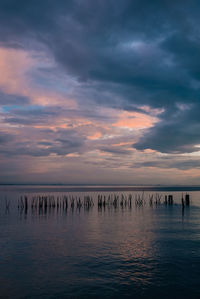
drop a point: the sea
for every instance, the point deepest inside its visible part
(99, 242)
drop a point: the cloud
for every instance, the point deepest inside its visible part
(78, 77)
(14, 65)
(5, 138)
(180, 164)
(61, 143)
(7, 100)
(31, 115)
(135, 120)
(178, 133)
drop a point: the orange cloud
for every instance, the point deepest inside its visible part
(122, 143)
(135, 120)
(149, 151)
(14, 65)
(95, 136)
(72, 155)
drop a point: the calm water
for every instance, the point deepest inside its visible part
(137, 252)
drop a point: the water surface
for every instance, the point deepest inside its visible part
(137, 252)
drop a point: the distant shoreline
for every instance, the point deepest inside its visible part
(93, 188)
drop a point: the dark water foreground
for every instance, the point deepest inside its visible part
(147, 251)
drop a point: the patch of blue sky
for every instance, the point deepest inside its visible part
(7, 109)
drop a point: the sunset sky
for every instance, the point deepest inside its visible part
(100, 91)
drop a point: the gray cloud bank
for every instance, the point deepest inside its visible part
(136, 52)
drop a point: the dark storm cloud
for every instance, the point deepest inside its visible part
(185, 50)
(177, 133)
(136, 52)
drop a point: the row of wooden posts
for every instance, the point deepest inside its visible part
(111, 200)
(115, 200)
(55, 202)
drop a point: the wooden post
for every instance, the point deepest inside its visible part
(170, 199)
(187, 199)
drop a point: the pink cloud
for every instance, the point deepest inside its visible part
(135, 120)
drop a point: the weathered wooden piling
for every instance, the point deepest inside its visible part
(187, 199)
(170, 199)
(182, 202)
(26, 203)
(7, 203)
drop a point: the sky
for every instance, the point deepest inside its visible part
(100, 92)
